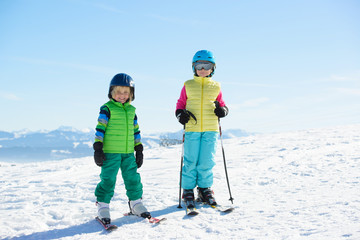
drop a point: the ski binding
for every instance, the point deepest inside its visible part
(108, 227)
(222, 209)
(191, 211)
(147, 216)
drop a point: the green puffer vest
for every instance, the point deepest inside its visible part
(119, 135)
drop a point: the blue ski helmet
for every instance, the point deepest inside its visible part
(122, 79)
(204, 55)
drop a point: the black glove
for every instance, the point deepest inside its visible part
(139, 155)
(99, 154)
(220, 112)
(182, 115)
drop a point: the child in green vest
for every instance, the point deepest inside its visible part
(117, 136)
(202, 97)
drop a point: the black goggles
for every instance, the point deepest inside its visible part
(203, 65)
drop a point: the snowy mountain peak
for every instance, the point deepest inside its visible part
(67, 141)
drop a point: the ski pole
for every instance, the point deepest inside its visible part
(223, 153)
(181, 164)
(182, 156)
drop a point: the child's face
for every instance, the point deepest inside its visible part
(202, 65)
(203, 72)
(121, 94)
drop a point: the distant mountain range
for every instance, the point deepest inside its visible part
(68, 142)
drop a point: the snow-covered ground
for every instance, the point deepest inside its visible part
(294, 185)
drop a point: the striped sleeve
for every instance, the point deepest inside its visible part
(103, 120)
(137, 136)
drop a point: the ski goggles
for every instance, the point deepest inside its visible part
(203, 65)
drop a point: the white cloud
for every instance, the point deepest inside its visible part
(338, 78)
(349, 91)
(84, 67)
(354, 77)
(108, 8)
(9, 96)
(250, 103)
(254, 102)
(154, 16)
(176, 20)
(262, 85)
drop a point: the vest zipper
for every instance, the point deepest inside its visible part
(127, 129)
(202, 103)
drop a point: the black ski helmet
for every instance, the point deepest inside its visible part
(122, 79)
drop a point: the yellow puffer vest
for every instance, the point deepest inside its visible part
(201, 94)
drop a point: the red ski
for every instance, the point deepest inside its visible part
(149, 217)
(108, 227)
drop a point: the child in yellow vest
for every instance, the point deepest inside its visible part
(202, 97)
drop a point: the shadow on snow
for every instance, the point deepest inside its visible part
(90, 227)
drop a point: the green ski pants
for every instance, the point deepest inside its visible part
(114, 161)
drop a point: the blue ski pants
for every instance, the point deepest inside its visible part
(199, 159)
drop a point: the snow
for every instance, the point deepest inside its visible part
(292, 185)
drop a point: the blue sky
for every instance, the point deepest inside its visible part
(283, 65)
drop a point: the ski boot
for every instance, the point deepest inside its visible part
(206, 195)
(189, 200)
(103, 212)
(188, 197)
(137, 208)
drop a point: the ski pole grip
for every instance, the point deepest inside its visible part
(191, 115)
